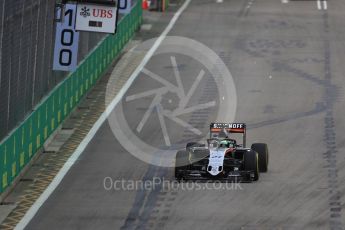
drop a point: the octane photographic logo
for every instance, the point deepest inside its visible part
(183, 87)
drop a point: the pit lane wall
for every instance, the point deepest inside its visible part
(20, 146)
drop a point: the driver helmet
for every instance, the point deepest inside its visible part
(224, 144)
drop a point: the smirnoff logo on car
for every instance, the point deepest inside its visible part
(235, 126)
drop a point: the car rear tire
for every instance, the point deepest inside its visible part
(181, 164)
(262, 150)
(251, 163)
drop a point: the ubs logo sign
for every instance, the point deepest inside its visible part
(97, 13)
(96, 18)
(101, 13)
(85, 12)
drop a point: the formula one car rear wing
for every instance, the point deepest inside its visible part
(218, 129)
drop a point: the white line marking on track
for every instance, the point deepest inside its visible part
(322, 4)
(249, 4)
(319, 4)
(219, 1)
(285, 1)
(67, 166)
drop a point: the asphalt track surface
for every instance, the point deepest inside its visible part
(287, 61)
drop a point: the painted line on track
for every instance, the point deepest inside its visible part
(319, 4)
(322, 4)
(70, 162)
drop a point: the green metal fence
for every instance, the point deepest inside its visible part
(21, 145)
